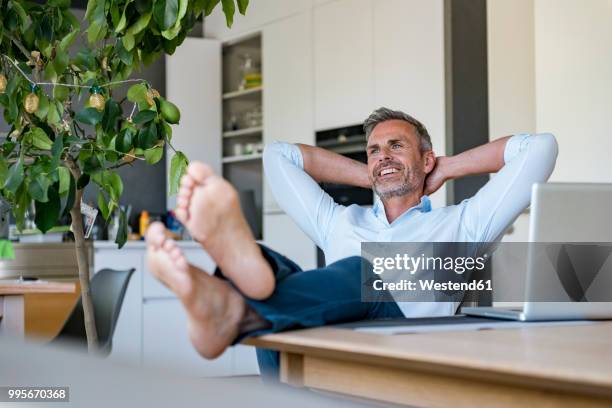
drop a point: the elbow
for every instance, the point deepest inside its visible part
(547, 143)
(273, 149)
(276, 152)
(546, 149)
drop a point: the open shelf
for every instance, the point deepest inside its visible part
(243, 132)
(237, 94)
(241, 158)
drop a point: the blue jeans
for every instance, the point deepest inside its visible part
(319, 297)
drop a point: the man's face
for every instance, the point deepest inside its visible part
(396, 165)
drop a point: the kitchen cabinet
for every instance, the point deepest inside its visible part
(288, 97)
(285, 237)
(343, 63)
(193, 83)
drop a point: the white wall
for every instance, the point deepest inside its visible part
(510, 48)
(573, 70)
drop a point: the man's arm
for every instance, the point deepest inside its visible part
(484, 159)
(297, 193)
(520, 161)
(329, 167)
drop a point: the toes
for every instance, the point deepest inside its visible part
(169, 246)
(185, 192)
(182, 202)
(187, 181)
(176, 254)
(199, 171)
(156, 234)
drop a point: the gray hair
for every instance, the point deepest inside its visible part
(384, 114)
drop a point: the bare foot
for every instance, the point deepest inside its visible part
(210, 209)
(214, 308)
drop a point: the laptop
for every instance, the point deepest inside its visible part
(561, 212)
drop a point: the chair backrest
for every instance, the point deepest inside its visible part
(108, 288)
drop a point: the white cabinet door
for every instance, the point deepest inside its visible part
(343, 63)
(288, 93)
(193, 83)
(284, 236)
(409, 64)
(166, 343)
(127, 338)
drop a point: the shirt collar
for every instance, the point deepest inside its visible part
(379, 209)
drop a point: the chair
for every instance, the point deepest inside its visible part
(108, 288)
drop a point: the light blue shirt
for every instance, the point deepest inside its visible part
(339, 230)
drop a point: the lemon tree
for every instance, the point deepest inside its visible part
(68, 128)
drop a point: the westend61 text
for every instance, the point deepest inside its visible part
(431, 285)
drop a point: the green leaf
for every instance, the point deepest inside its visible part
(165, 13)
(124, 141)
(85, 59)
(15, 176)
(61, 92)
(116, 186)
(137, 93)
(47, 214)
(89, 116)
(147, 137)
(91, 165)
(124, 55)
(167, 131)
(211, 6)
(20, 13)
(68, 40)
(64, 179)
(112, 111)
(123, 230)
(173, 31)
(102, 205)
(22, 204)
(3, 170)
(229, 8)
(144, 116)
(40, 140)
(53, 116)
(242, 6)
(154, 154)
(38, 188)
(178, 167)
(128, 41)
(139, 25)
(56, 151)
(123, 20)
(60, 63)
(43, 107)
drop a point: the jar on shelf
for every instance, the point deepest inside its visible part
(251, 74)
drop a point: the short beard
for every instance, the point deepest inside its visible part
(401, 190)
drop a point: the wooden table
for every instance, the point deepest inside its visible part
(546, 366)
(12, 316)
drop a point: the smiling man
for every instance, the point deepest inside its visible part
(256, 290)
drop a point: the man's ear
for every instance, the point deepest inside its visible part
(429, 161)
